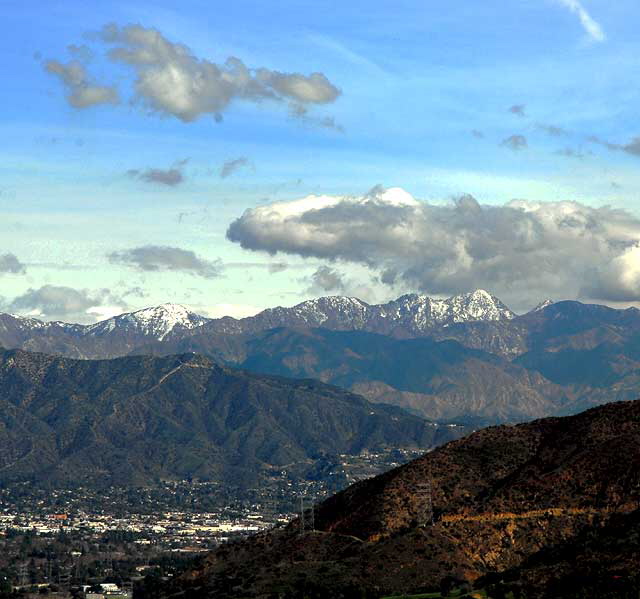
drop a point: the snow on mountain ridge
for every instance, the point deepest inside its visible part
(542, 305)
(316, 312)
(423, 311)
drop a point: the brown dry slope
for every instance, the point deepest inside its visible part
(501, 497)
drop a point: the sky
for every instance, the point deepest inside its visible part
(236, 156)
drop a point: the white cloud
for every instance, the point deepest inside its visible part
(171, 80)
(619, 280)
(590, 25)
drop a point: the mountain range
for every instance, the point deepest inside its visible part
(139, 419)
(544, 509)
(408, 316)
(468, 359)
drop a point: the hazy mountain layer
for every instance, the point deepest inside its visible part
(558, 359)
(410, 315)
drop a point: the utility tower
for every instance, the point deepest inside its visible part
(312, 514)
(307, 515)
(270, 511)
(302, 518)
(425, 502)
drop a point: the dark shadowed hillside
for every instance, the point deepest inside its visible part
(521, 500)
(136, 419)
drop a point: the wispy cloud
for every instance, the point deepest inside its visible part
(632, 147)
(164, 176)
(154, 258)
(346, 53)
(326, 279)
(515, 143)
(301, 112)
(589, 24)
(571, 153)
(552, 130)
(233, 165)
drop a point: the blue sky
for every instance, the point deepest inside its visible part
(531, 99)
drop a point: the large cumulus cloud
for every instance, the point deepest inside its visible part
(521, 250)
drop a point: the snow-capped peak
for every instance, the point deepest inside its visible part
(477, 305)
(156, 321)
